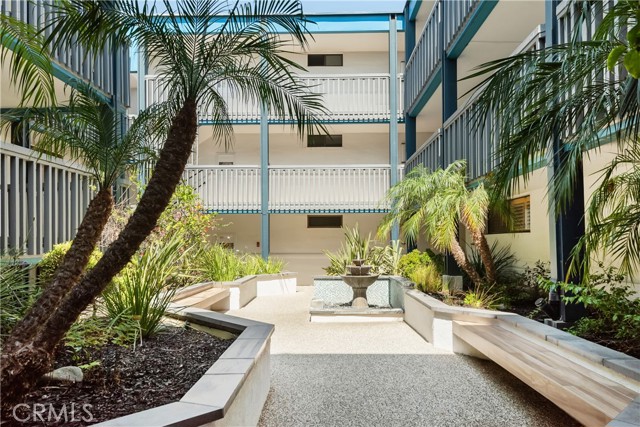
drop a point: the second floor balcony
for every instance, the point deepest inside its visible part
(292, 189)
(349, 98)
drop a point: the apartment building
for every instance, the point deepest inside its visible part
(43, 198)
(288, 197)
(444, 41)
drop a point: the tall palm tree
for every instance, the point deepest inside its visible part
(584, 92)
(195, 45)
(91, 132)
(437, 203)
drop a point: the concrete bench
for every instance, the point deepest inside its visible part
(590, 392)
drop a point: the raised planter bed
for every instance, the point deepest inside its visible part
(232, 392)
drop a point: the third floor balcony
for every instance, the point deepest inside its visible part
(349, 98)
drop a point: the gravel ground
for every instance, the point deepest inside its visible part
(383, 374)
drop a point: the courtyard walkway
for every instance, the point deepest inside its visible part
(382, 374)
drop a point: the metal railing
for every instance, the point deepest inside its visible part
(425, 58)
(95, 69)
(457, 14)
(462, 137)
(296, 188)
(348, 98)
(43, 200)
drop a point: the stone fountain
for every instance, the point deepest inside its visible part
(359, 280)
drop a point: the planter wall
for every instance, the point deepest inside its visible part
(231, 393)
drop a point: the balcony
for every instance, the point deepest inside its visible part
(292, 189)
(349, 98)
(460, 138)
(73, 61)
(43, 200)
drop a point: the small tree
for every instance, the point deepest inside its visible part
(436, 204)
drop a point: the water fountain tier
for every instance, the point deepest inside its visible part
(359, 280)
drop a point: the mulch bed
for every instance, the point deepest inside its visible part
(159, 371)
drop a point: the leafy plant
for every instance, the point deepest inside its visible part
(16, 293)
(414, 259)
(427, 278)
(503, 259)
(98, 331)
(482, 297)
(612, 307)
(219, 264)
(255, 264)
(140, 292)
(53, 259)
(386, 260)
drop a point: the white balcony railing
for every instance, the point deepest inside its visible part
(299, 188)
(348, 97)
(43, 200)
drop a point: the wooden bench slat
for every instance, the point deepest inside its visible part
(589, 397)
(204, 299)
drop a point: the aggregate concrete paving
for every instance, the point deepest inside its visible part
(382, 374)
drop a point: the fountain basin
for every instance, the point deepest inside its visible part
(359, 284)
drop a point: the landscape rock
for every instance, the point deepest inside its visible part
(71, 374)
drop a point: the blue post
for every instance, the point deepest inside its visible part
(393, 107)
(409, 45)
(565, 228)
(264, 182)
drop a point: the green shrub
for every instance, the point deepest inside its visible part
(16, 294)
(427, 278)
(140, 292)
(98, 331)
(503, 259)
(612, 307)
(219, 264)
(255, 264)
(482, 297)
(383, 260)
(410, 262)
(53, 259)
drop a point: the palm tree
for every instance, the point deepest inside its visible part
(242, 46)
(437, 203)
(89, 131)
(586, 94)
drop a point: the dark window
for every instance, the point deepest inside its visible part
(520, 216)
(324, 141)
(20, 134)
(324, 221)
(225, 163)
(333, 60)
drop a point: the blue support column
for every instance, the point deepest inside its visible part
(566, 228)
(264, 183)
(409, 45)
(449, 72)
(393, 107)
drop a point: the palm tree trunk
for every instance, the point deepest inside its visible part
(69, 272)
(480, 241)
(462, 261)
(22, 368)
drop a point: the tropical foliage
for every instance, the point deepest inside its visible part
(559, 103)
(436, 204)
(52, 260)
(221, 264)
(16, 293)
(194, 54)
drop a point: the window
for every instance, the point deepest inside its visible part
(520, 215)
(225, 163)
(20, 134)
(333, 60)
(324, 221)
(324, 141)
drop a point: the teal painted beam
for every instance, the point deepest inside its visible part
(264, 183)
(426, 93)
(414, 8)
(478, 17)
(393, 108)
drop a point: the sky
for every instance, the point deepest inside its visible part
(352, 6)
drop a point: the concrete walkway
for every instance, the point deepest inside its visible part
(382, 374)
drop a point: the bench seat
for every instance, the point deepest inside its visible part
(207, 299)
(586, 393)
